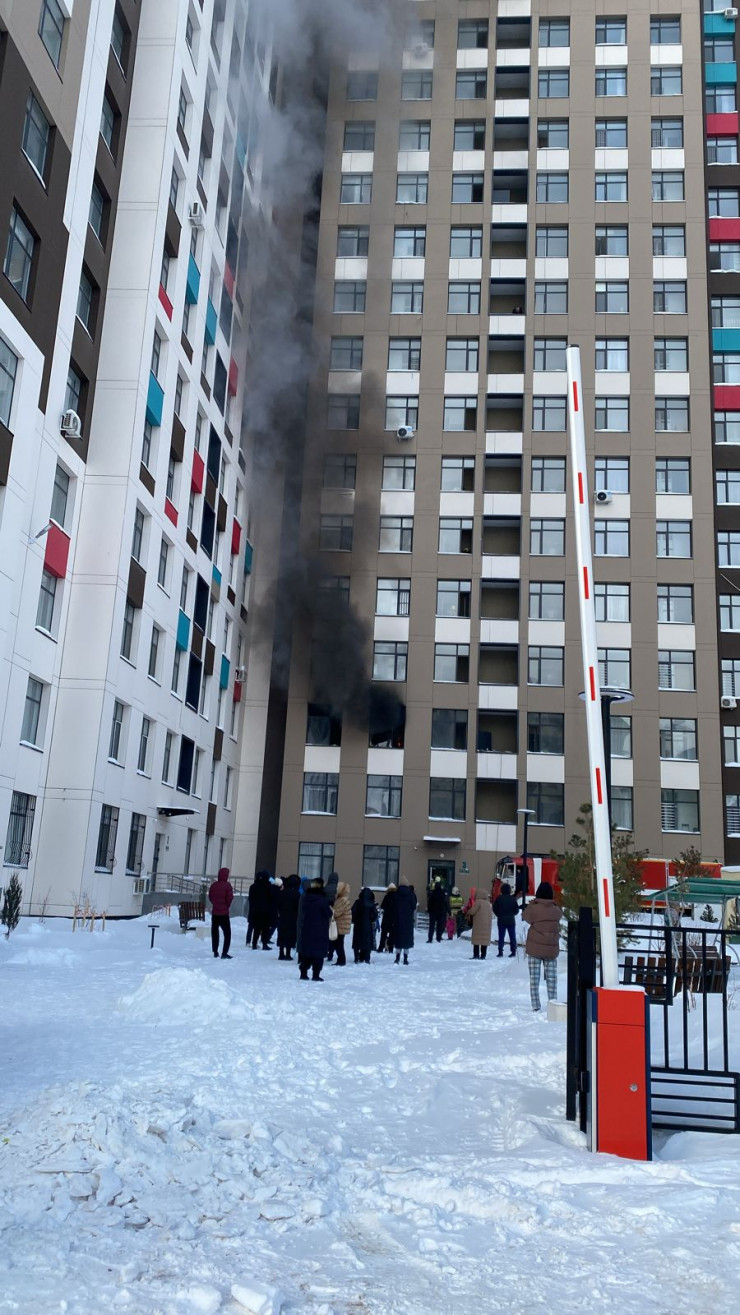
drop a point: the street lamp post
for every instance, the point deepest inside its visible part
(610, 694)
(526, 814)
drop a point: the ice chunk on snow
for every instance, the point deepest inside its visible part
(179, 995)
(205, 1300)
(257, 1298)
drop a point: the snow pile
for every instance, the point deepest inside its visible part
(180, 995)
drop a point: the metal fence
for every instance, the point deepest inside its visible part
(183, 883)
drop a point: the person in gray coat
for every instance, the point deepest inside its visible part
(481, 916)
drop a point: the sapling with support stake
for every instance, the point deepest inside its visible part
(11, 911)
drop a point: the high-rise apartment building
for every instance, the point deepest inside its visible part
(526, 175)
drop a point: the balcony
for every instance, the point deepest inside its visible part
(499, 601)
(505, 412)
(510, 138)
(512, 82)
(498, 733)
(498, 664)
(509, 253)
(505, 365)
(513, 33)
(502, 536)
(496, 801)
(506, 306)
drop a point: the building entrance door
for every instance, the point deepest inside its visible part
(444, 868)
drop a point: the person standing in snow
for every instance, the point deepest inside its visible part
(437, 906)
(543, 943)
(343, 919)
(405, 909)
(287, 928)
(388, 928)
(314, 916)
(481, 915)
(260, 903)
(221, 894)
(456, 904)
(505, 909)
(363, 919)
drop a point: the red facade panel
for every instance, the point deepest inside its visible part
(57, 552)
(199, 473)
(165, 301)
(170, 511)
(724, 230)
(723, 125)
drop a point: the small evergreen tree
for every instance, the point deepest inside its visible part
(11, 913)
(578, 870)
(707, 914)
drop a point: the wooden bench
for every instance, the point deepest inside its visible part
(708, 976)
(191, 911)
(649, 972)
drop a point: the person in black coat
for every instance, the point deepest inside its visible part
(438, 906)
(260, 901)
(363, 920)
(505, 909)
(388, 928)
(314, 916)
(405, 908)
(287, 927)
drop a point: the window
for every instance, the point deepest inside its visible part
(463, 299)
(362, 85)
(98, 211)
(349, 297)
(673, 538)
(167, 758)
(611, 133)
(460, 414)
(545, 665)
(452, 663)
(728, 548)
(548, 414)
(32, 712)
(732, 811)
(455, 534)
(665, 31)
(353, 241)
(137, 541)
(679, 810)
(668, 185)
(622, 807)
(678, 738)
(320, 791)
(673, 475)
(552, 187)
(727, 426)
(466, 243)
(547, 538)
(182, 111)
(458, 474)
(406, 298)
(553, 83)
(615, 667)
(135, 850)
(726, 312)
(51, 29)
(75, 387)
(346, 354)
(554, 32)
(336, 533)
(546, 600)
(339, 471)
(611, 538)
(19, 254)
(359, 136)
(449, 728)
(666, 80)
(380, 865)
(611, 81)
(612, 239)
(731, 676)
(671, 354)
(471, 84)
(676, 669)
(724, 202)
(399, 473)
(551, 241)
(470, 135)
(383, 796)
(547, 801)
(404, 354)
(722, 150)
(669, 240)
(612, 413)
(392, 597)
(60, 496)
(731, 741)
(390, 660)
(610, 187)
(719, 50)
(472, 34)
(127, 638)
(612, 298)
(108, 120)
(612, 354)
(729, 611)
(8, 371)
(85, 303)
(116, 733)
(553, 134)
(118, 37)
(416, 85)
(36, 136)
(676, 604)
(612, 602)
(414, 135)
(621, 736)
(401, 411)
(611, 31)
(322, 727)
(669, 297)
(453, 597)
(551, 298)
(612, 473)
(447, 798)
(356, 189)
(412, 189)
(545, 732)
(410, 242)
(467, 188)
(343, 411)
(47, 599)
(549, 354)
(666, 134)
(20, 830)
(462, 355)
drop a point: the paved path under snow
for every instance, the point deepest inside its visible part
(391, 1141)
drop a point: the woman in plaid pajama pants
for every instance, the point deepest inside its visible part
(543, 943)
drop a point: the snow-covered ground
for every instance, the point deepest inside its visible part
(184, 1135)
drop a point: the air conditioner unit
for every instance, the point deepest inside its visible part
(420, 49)
(727, 701)
(240, 674)
(196, 214)
(142, 885)
(71, 425)
(730, 13)
(404, 433)
(603, 497)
